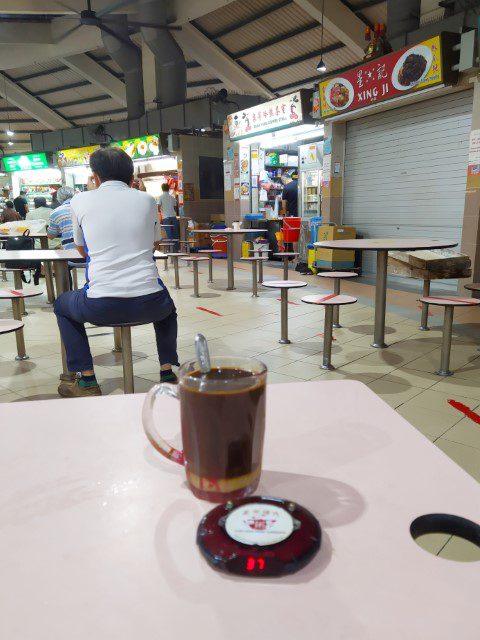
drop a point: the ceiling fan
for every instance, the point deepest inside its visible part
(90, 18)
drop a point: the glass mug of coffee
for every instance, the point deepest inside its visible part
(223, 425)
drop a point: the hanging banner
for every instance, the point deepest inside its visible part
(76, 157)
(25, 162)
(409, 70)
(287, 111)
(139, 148)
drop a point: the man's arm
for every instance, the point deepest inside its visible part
(53, 230)
(27, 208)
(78, 235)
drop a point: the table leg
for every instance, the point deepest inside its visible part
(285, 268)
(336, 309)
(254, 280)
(17, 280)
(260, 271)
(231, 281)
(426, 292)
(327, 338)
(380, 300)
(127, 360)
(210, 268)
(284, 316)
(117, 340)
(177, 273)
(446, 343)
(48, 274)
(63, 284)
(195, 280)
(20, 338)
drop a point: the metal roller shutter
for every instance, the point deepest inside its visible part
(405, 171)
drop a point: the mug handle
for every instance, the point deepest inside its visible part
(156, 440)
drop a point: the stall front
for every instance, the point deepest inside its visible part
(74, 163)
(33, 173)
(266, 148)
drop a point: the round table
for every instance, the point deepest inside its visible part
(229, 234)
(382, 246)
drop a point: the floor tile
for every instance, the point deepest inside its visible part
(466, 432)
(466, 457)
(460, 550)
(393, 393)
(432, 424)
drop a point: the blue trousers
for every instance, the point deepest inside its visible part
(73, 309)
(172, 232)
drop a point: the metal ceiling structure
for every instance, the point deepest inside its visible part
(262, 47)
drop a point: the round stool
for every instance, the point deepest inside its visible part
(260, 253)
(329, 302)
(255, 260)
(286, 255)
(18, 282)
(188, 244)
(209, 253)
(284, 286)
(17, 297)
(123, 340)
(7, 326)
(449, 303)
(175, 257)
(337, 277)
(194, 260)
(169, 244)
(158, 255)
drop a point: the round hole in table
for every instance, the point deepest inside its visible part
(462, 542)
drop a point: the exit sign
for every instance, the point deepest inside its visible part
(25, 162)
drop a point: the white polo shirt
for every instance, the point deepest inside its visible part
(118, 227)
(167, 204)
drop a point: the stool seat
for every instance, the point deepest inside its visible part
(7, 326)
(158, 255)
(254, 258)
(175, 255)
(194, 259)
(122, 324)
(9, 294)
(338, 274)
(331, 299)
(290, 254)
(450, 301)
(9, 269)
(473, 286)
(209, 251)
(284, 284)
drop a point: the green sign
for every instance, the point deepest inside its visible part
(26, 162)
(139, 148)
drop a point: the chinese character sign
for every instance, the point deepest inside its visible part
(408, 70)
(276, 114)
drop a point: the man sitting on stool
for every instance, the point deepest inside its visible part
(114, 228)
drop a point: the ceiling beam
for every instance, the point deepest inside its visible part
(276, 40)
(98, 75)
(63, 87)
(303, 58)
(314, 79)
(39, 74)
(31, 105)
(340, 21)
(235, 77)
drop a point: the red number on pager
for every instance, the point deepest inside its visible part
(253, 563)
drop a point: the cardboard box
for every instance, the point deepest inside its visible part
(335, 259)
(328, 232)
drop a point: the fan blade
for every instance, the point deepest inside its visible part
(65, 6)
(112, 33)
(69, 32)
(113, 7)
(153, 25)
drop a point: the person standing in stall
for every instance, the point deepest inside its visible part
(290, 194)
(168, 208)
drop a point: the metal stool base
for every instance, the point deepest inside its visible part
(382, 345)
(22, 357)
(444, 374)
(328, 367)
(285, 341)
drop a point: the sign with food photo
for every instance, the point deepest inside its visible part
(411, 69)
(145, 147)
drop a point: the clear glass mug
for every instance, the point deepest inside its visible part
(223, 426)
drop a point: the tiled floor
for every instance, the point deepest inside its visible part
(402, 374)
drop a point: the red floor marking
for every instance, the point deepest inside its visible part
(214, 313)
(321, 336)
(279, 299)
(466, 410)
(420, 307)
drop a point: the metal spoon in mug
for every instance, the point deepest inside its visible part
(203, 356)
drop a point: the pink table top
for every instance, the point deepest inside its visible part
(450, 301)
(382, 244)
(44, 255)
(224, 232)
(99, 530)
(194, 258)
(255, 259)
(284, 284)
(329, 299)
(287, 254)
(337, 274)
(7, 326)
(6, 294)
(209, 251)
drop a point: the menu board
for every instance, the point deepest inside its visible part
(139, 148)
(406, 71)
(25, 162)
(76, 157)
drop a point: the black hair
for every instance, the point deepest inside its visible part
(112, 164)
(9, 204)
(39, 201)
(165, 187)
(22, 193)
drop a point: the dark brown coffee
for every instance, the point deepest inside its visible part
(223, 428)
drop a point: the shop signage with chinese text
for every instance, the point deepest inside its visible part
(76, 157)
(406, 71)
(280, 113)
(140, 148)
(25, 162)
